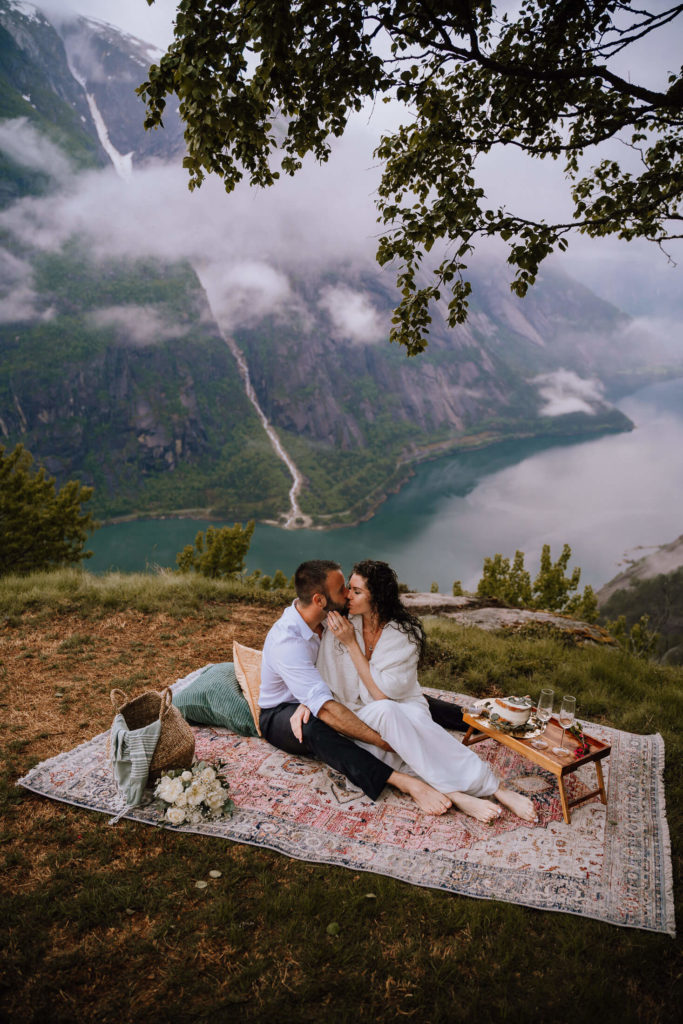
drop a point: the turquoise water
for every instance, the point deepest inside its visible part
(603, 497)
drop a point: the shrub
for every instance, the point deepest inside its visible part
(40, 527)
(220, 554)
(551, 591)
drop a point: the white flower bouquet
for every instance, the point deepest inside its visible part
(187, 796)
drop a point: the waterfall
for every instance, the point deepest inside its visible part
(123, 164)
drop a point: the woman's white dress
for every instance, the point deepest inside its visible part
(403, 720)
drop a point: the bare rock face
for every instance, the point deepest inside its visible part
(479, 373)
(519, 618)
(490, 615)
(111, 66)
(439, 604)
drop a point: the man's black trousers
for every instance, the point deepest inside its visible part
(321, 741)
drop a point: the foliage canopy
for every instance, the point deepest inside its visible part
(259, 81)
(39, 526)
(220, 554)
(552, 590)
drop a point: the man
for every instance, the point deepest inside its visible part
(289, 678)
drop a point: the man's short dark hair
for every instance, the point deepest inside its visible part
(309, 578)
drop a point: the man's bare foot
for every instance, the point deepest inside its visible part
(427, 799)
(482, 810)
(518, 804)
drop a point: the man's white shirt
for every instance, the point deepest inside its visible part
(288, 671)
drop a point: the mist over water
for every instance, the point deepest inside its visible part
(604, 497)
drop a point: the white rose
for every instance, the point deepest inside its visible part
(174, 789)
(176, 815)
(195, 793)
(181, 801)
(186, 776)
(216, 800)
(208, 776)
(163, 788)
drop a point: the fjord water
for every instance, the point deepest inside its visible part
(604, 497)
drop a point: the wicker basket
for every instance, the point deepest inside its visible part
(175, 748)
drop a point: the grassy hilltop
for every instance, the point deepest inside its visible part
(105, 924)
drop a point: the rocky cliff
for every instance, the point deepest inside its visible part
(111, 65)
(665, 559)
(348, 403)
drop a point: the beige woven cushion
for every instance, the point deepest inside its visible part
(248, 671)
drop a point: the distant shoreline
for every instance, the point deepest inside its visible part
(405, 470)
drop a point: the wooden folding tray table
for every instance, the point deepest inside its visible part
(480, 729)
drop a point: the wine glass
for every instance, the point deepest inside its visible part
(544, 710)
(566, 718)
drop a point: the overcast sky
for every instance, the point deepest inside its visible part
(634, 275)
(152, 24)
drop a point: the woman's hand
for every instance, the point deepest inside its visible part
(342, 628)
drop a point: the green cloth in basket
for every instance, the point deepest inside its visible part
(215, 698)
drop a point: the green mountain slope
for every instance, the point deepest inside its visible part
(125, 382)
(37, 87)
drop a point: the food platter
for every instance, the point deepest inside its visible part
(487, 709)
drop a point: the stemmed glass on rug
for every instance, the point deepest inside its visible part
(566, 718)
(544, 710)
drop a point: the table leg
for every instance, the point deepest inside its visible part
(473, 736)
(563, 798)
(601, 782)
(468, 736)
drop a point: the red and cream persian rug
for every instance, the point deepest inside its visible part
(612, 863)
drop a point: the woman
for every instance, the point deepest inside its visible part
(370, 661)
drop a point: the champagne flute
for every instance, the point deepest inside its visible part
(544, 710)
(566, 717)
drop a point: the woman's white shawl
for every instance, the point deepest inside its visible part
(393, 666)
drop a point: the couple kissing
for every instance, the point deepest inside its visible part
(339, 683)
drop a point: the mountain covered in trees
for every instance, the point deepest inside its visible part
(116, 357)
(651, 586)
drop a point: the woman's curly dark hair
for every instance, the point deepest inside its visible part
(385, 600)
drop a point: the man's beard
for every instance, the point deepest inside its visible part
(332, 606)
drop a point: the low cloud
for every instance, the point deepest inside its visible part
(18, 300)
(26, 146)
(563, 392)
(655, 338)
(137, 326)
(153, 23)
(240, 294)
(246, 246)
(322, 216)
(353, 316)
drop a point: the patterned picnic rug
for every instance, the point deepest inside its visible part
(612, 863)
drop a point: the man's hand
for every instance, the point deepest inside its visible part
(343, 720)
(298, 720)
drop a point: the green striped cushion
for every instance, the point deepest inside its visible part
(215, 698)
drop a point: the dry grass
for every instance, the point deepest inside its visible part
(57, 670)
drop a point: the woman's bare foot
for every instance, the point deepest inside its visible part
(427, 799)
(520, 805)
(482, 810)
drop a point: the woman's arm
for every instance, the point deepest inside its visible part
(393, 668)
(343, 630)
